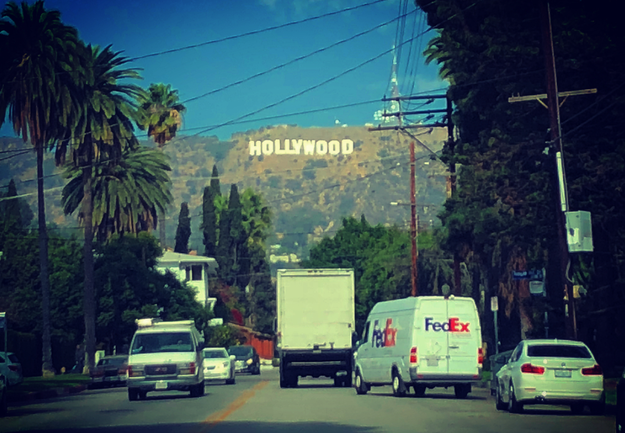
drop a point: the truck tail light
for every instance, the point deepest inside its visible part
(480, 356)
(592, 371)
(413, 355)
(532, 369)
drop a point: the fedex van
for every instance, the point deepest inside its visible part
(420, 342)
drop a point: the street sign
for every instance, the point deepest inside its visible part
(532, 274)
(494, 303)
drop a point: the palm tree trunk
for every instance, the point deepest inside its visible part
(161, 229)
(89, 289)
(46, 368)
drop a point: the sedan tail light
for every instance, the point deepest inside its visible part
(532, 369)
(595, 370)
(413, 355)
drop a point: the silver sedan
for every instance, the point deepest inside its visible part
(550, 372)
(218, 365)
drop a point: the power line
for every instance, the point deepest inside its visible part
(254, 32)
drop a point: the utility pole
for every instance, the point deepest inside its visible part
(413, 221)
(452, 190)
(561, 195)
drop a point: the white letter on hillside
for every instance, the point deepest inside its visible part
(277, 147)
(297, 146)
(255, 148)
(348, 146)
(334, 147)
(267, 147)
(322, 147)
(309, 147)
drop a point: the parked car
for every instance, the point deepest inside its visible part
(3, 396)
(11, 369)
(558, 372)
(247, 359)
(110, 371)
(496, 362)
(219, 365)
(620, 404)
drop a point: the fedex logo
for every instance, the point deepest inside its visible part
(454, 325)
(383, 337)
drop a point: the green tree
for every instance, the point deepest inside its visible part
(38, 67)
(130, 287)
(240, 251)
(127, 196)
(102, 132)
(209, 222)
(160, 112)
(225, 246)
(10, 214)
(214, 183)
(183, 232)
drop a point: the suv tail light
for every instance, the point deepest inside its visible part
(532, 369)
(413, 355)
(135, 371)
(480, 356)
(188, 368)
(595, 370)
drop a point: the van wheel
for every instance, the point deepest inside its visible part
(338, 381)
(399, 390)
(419, 390)
(360, 385)
(462, 391)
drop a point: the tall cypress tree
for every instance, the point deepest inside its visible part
(215, 186)
(224, 248)
(209, 222)
(183, 232)
(239, 236)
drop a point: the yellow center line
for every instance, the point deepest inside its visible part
(218, 417)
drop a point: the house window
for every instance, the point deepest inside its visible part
(194, 273)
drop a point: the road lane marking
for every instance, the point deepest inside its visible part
(218, 417)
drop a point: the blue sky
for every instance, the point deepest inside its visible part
(141, 27)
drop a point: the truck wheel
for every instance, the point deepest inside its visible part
(399, 390)
(347, 380)
(293, 380)
(338, 381)
(133, 394)
(361, 386)
(462, 391)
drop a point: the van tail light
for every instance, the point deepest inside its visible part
(532, 369)
(480, 356)
(413, 355)
(592, 371)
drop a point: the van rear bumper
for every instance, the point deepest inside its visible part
(442, 379)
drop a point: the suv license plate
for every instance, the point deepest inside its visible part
(563, 373)
(160, 385)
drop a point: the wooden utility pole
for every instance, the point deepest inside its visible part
(452, 191)
(413, 221)
(560, 194)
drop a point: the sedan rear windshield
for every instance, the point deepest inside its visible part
(162, 342)
(557, 351)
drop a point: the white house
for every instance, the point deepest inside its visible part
(194, 270)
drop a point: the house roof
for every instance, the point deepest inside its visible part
(170, 258)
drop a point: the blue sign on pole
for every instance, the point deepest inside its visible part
(533, 275)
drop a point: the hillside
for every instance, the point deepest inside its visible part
(309, 185)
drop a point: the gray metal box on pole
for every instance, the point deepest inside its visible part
(579, 232)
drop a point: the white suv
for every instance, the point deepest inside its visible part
(165, 356)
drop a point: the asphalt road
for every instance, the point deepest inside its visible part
(257, 404)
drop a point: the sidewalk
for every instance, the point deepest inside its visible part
(15, 397)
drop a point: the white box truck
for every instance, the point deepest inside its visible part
(315, 324)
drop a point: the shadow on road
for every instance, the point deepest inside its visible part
(433, 396)
(224, 426)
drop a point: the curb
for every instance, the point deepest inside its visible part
(47, 393)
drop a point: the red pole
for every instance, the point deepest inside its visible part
(413, 220)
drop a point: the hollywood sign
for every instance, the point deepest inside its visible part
(300, 146)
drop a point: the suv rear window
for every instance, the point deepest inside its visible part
(162, 342)
(557, 351)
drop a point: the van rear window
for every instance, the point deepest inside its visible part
(162, 342)
(557, 351)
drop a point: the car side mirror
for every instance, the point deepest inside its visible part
(232, 357)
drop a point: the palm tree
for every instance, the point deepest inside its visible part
(37, 69)
(101, 132)
(160, 112)
(126, 196)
